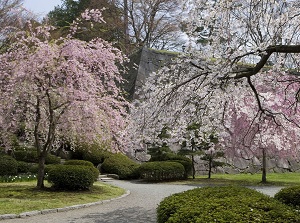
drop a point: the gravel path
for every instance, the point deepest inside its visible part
(138, 207)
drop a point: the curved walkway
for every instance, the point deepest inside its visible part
(138, 207)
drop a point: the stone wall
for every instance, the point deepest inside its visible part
(151, 61)
(240, 165)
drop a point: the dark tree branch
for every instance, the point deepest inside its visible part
(248, 72)
(255, 94)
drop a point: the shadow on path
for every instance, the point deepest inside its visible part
(125, 215)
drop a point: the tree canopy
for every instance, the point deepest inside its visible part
(111, 30)
(61, 90)
(246, 71)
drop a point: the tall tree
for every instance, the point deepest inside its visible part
(155, 23)
(12, 17)
(252, 50)
(67, 12)
(61, 89)
(111, 30)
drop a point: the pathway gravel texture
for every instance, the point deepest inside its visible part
(138, 207)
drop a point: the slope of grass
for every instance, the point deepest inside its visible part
(21, 197)
(273, 179)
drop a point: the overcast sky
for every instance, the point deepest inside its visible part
(41, 7)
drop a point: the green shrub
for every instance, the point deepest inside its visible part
(161, 171)
(168, 156)
(160, 153)
(163, 157)
(93, 153)
(187, 164)
(289, 196)
(96, 156)
(71, 177)
(48, 167)
(23, 167)
(224, 204)
(79, 162)
(28, 156)
(84, 163)
(34, 168)
(121, 165)
(8, 165)
(52, 159)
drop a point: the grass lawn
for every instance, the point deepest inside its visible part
(16, 198)
(273, 179)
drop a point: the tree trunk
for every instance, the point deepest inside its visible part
(193, 167)
(264, 167)
(209, 167)
(126, 32)
(41, 171)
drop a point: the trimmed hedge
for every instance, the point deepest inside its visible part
(84, 163)
(30, 156)
(121, 165)
(186, 162)
(23, 167)
(71, 177)
(289, 196)
(34, 168)
(96, 156)
(93, 153)
(52, 159)
(8, 166)
(79, 162)
(224, 204)
(161, 171)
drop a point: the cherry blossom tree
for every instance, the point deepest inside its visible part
(62, 89)
(247, 70)
(252, 132)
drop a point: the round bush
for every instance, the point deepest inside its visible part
(224, 204)
(79, 162)
(84, 163)
(8, 166)
(28, 156)
(23, 167)
(289, 196)
(93, 153)
(96, 156)
(34, 168)
(160, 171)
(164, 156)
(186, 162)
(48, 167)
(71, 177)
(52, 159)
(121, 165)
